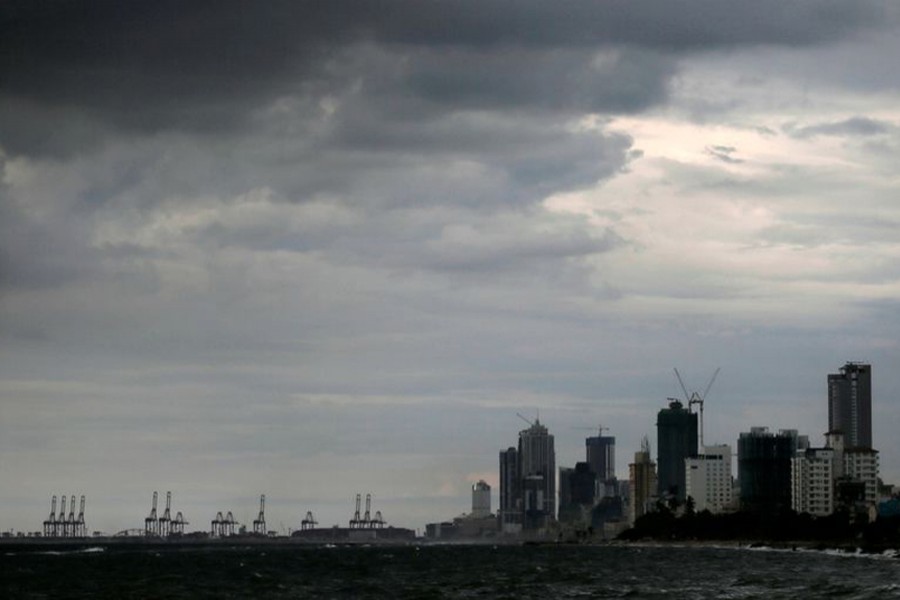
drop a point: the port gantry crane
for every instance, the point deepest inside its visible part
(70, 522)
(80, 527)
(367, 517)
(309, 522)
(356, 521)
(165, 521)
(695, 398)
(151, 523)
(259, 525)
(50, 523)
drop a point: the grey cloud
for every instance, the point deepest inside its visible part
(724, 153)
(852, 127)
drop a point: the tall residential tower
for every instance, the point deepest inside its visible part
(850, 404)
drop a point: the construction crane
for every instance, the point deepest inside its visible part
(599, 429)
(526, 419)
(696, 398)
(259, 525)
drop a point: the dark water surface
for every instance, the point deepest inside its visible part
(445, 572)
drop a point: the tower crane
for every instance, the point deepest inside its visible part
(696, 398)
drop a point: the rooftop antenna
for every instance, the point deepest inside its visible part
(696, 398)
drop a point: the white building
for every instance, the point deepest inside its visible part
(708, 479)
(861, 464)
(812, 482)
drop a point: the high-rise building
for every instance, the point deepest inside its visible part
(481, 499)
(601, 456)
(576, 493)
(537, 471)
(850, 404)
(764, 469)
(676, 435)
(641, 482)
(708, 479)
(510, 511)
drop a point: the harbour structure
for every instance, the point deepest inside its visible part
(62, 525)
(676, 439)
(363, 527)
(308, 522)
(259, 524)
(708, 479)
(641, 482)
(223, 526)
(163, 526)
(366, 521)
(850, 404)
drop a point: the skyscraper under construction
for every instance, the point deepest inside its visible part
(676, 431)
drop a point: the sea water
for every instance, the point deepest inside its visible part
(446, 571)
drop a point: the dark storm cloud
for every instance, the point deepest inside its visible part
(202, 65)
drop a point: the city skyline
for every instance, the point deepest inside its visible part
(316, 249)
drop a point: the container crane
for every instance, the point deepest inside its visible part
(259, 525)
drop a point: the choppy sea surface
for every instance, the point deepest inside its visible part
(450, 571)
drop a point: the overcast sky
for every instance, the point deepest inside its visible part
(315, 249)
